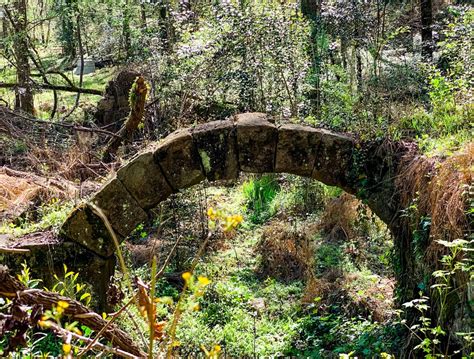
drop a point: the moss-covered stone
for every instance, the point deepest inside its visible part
(121, 209)
(84, 227)
(47, 255)
(296, 150)
(333, 159)
(143, 179)
(256, 141)
(179, 159)
(216, 144)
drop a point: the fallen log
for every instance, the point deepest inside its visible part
(11, 288)
(58, 88)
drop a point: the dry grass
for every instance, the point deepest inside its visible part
(19, 191)
(286, 255)
(76, 162)
(339, 217)
(440, 190)
(448, 193)
(354, 293)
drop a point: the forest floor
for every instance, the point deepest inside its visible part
(308, 274)
(296, 280)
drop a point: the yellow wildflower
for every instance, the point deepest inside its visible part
(45, 324)
(61, 307)
(203, 281)
(211, 213)
(63, 304)
(67, 348)
(186, 276)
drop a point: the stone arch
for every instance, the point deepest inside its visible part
(214, 151)
(220, 150)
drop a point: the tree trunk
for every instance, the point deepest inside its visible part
(344, 53)
(311, 9)
(4, 28)
(143, 16)
(24, 95)
(41, 15)
(426, 12)
(164, 25)
(137, 97)
(126, 32)
(67, 28)
(358, 68)
(357, 43)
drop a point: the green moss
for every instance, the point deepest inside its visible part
(206, 160)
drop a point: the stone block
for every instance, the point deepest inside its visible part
(46, 255)
(83, 226)
(296, 149)
(143, 179)
(179, 160)
(333, 159)
(217, 147)
(256, 141)
(120, 208)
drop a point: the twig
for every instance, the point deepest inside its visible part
(92, 344)
(168, 259)
(14, 250)
(104, 328)
(137, 327)
(58, 88)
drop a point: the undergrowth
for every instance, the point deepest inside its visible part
(48, 216)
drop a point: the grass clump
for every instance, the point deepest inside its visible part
(285, 254)
(259, 194)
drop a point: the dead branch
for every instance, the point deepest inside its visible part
(12, 288)
(16, 116)
(92, 344)
(57, 88)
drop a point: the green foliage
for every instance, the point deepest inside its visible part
(259, 194)
(337, 110)
(50, 216)
(300, 196)
(229, 316)
(421, 238)
(428, 330)
(329, 256)
(343, 335)
(25, 277)
(69, 286)
(46, 344)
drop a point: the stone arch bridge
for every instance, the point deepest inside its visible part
(214, 151)
(220, 150)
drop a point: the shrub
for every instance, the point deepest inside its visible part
(300, 196)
